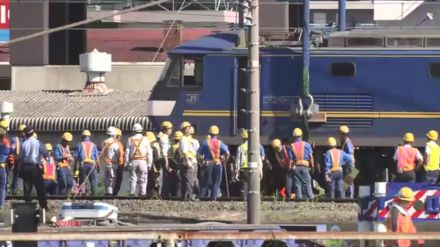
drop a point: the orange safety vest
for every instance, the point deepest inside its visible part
(137, 154)
(88, 150)
(121, 153)
(17, 146)
(404, 225)
(49, 169)
(335, 155)
(65, 152)
(298, 150)
(214, 148)
(406, 158)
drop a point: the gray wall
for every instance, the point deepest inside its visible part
(128, 77)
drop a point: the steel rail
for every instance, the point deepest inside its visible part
(214, 235)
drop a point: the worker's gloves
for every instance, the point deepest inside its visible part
(327, 178)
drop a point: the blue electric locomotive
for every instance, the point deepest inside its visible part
(380, 84)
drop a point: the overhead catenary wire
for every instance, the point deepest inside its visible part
(83, 22)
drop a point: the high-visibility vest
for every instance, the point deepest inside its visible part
(192, 152)
(406, 158)
(244, 163)
(404, 225)
(174, 152)
(433, 157)
(121, 153)
(214, 148)
(87, 148)
(335, 156)
(105, 153)
(17, 146)
(65, 151)
(298, 149)
(49, 169)
(137, 153)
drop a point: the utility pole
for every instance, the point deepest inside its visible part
(253, 197)
(341, 15)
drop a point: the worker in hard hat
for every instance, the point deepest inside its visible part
(16, 146)
(87, 159)
(121, 162)
(301, 154)
(31, 153)
(5, 152)
(139, 157)
(281, 165)
(49, 171)
(188, 150)
(196, 189)
(214, 153)
(432, 158)
(64, 158)
(348, 147)
(166, 129)
(335, 160)
(399, 220)
(174, 161)
(110, 159)
(155, 174)
(407, 159)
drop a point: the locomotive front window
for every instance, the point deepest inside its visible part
(343, 69)
(434, 70)
(192, 73)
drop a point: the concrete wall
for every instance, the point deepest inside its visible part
(417, 18)
(130, 76)
(321, 16)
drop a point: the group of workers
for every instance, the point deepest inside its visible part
(175, 164)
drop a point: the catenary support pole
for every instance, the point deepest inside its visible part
(341, 15)
(253, 198)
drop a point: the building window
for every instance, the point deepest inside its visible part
(434, 70)
(343, 69)
(192, 72)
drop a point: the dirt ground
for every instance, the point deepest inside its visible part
(146, 211)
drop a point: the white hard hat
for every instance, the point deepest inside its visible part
(111, 131)
(137, 127)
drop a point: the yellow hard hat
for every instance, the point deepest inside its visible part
(331, 141)
(118, 132)
(4, 124)
(244, 134)
(48, 147)
(150, 136)
(344, 129)
(432, 135)
(408, 137)
(406, 194)
(178, 135)
(184, 125)
(86, 133)
(166, 125)
(76, 174)
(21, 127)
(213, 130)
(276, 144)
(67, 136)
(297, 132)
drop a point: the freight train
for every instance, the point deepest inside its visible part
(381, 83)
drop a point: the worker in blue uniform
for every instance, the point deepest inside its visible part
(16, 146)
(63, 157)
(214, 152)
(87, 157)
(31, 153)
(335, 160)
(348, 147)
(5, 152)
(301, 155)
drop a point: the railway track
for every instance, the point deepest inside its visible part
(222, 199)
